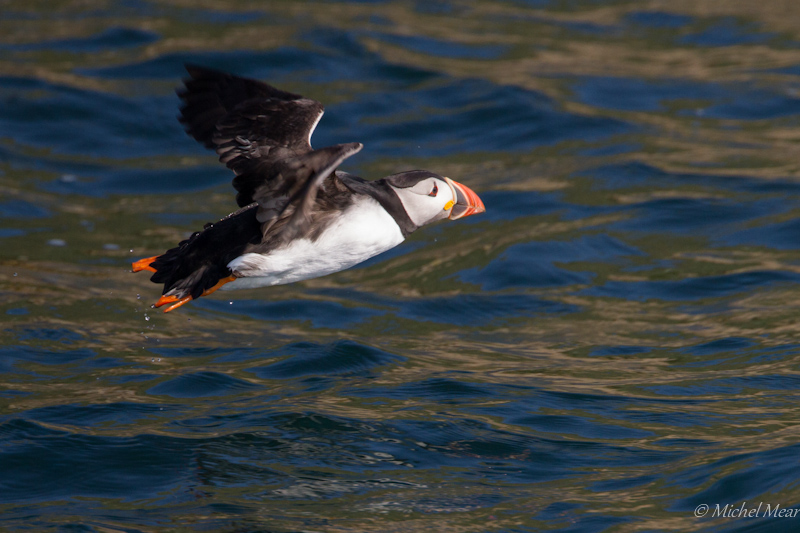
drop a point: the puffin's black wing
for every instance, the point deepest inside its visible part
(263, 134)
(250, 124)
(209, 95)
(314, 190)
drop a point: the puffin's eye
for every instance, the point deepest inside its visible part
(435, 191)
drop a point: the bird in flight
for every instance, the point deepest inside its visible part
(300, 217)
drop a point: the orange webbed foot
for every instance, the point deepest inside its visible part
(174, 300)
(144, 264)
(177, 302)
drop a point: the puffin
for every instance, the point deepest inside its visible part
(299, 216)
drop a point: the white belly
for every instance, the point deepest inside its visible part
(364, 231)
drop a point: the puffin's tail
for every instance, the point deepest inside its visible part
(198, 266)
(181, 286)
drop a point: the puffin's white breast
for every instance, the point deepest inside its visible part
(362, 231)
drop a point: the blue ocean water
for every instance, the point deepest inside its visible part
(612, 347)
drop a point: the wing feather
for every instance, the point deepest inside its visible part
(295, 206)
(263, 135)
(250, 124)
(208, 95)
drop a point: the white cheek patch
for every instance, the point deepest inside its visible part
(421, 208)
(415, 205)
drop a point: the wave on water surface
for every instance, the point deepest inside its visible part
(612, 346)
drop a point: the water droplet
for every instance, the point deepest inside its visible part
(15, 274)
(230, 303)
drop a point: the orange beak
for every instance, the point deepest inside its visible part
(467, 202)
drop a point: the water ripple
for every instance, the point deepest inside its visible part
(612, 344)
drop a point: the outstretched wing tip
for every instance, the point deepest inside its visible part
(353, 148)
(336, 154)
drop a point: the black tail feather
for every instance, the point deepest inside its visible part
(199, 262)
